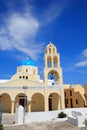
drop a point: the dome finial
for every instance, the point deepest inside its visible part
(50, 42)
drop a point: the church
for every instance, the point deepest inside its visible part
(27, 89)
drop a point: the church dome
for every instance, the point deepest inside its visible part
(28, 63)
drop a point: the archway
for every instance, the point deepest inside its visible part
(55, 61)
(21, 99)
(54, 77)
(49, 62)
(53, 101)
(37, 102)
(6, 102)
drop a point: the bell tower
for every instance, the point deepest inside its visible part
(52, 64)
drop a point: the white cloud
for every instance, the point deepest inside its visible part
(20, 27)
(19, 33)
(81, 64)
(84, 53)
(54, 11)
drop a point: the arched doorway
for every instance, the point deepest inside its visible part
(53, 101)
(6, 102)
(37, 102)
(21, 99)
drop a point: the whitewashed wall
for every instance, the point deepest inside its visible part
(40, 116)
(46, 116)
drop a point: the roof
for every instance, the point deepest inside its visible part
(28, 63)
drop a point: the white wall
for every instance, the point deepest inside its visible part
(40, 116)
(82, 110)
(46, 116)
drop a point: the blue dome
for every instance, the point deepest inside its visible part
(28, 63)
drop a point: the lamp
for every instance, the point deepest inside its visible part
(25, 88)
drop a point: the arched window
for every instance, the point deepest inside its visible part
(34, 72)
(54, 63)
(49, 50)
(49, 62)
(26, 77)
(26, 70)
(53, 50)
(19, 77)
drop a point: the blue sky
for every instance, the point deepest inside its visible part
(27, 26)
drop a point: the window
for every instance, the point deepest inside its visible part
(33, 72)
(53, 50)
(26, 70)
(52, 83)
(66, 101)
(65, 94)
(54, 63)
(76, 101)
(71, 102)
(70, 92)
(49, 50)
(19, 77)
(19, 70)
(26, 77)
(48, 63)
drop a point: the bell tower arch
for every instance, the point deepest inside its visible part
(52, 64)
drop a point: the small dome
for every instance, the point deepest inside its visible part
(28, 63)
(50, 48)
(50, 45)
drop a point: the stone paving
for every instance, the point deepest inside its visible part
(8, 121)
(44, 126)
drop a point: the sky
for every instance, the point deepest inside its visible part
(27, 26)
